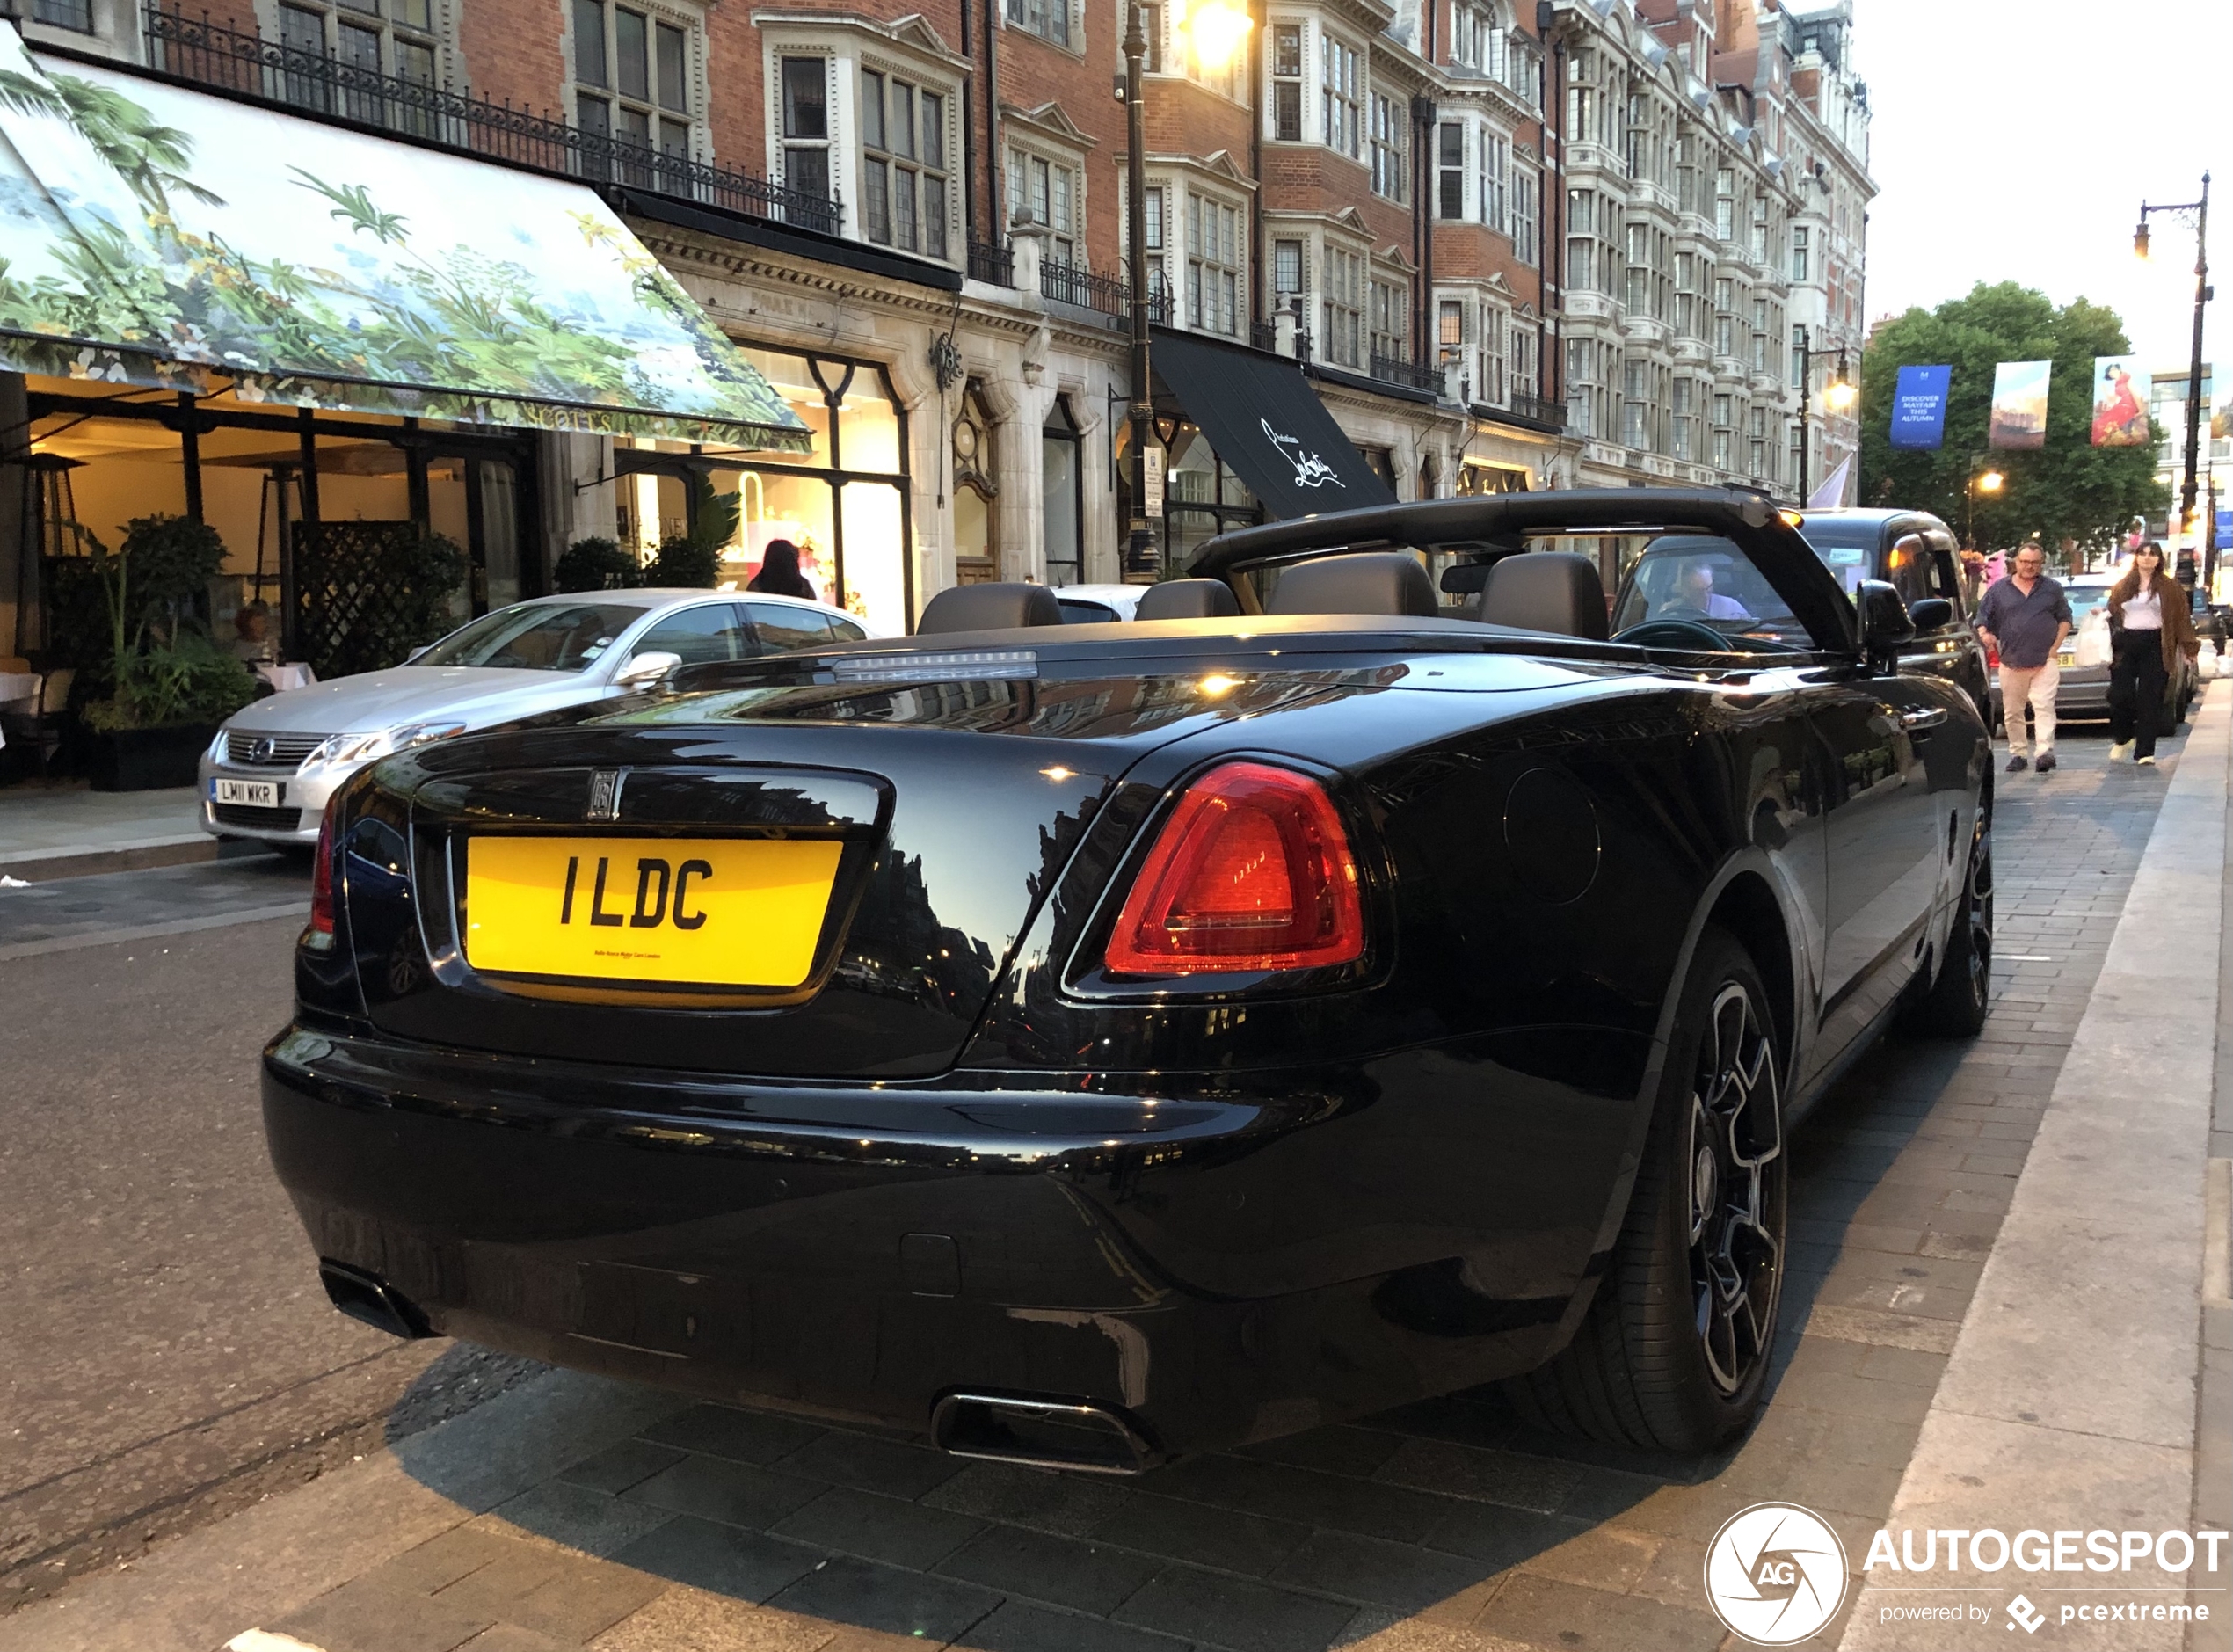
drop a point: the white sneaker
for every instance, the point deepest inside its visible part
(2146, 762)
(2122, 750)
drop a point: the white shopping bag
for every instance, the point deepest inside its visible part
(2092, 645)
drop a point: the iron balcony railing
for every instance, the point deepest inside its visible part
(211, 54)
(991, 263)
(1411, 374)
(1535, 407)
(1086, 288)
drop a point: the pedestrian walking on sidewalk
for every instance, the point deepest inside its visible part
(2024, 619)
(2150, 627)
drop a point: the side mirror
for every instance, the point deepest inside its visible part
(644, 670)
(1884, 622)
(1931, 613)
(416, 652)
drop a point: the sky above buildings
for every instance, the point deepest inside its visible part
(2016, 139)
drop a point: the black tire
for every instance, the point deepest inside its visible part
(1673, 1353)
(1956, 1003)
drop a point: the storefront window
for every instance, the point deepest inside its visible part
(1065, 551)
(857, 555)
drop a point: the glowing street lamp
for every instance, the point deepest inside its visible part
(2198, 213)
(1838, 394)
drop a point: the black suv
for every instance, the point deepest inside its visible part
(1916, 553)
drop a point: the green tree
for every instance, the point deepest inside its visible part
(2067, 489)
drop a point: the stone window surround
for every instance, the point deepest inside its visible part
(689, 16)
(1178, 175)
(849, 43)
(1024, 130)
(449, 60)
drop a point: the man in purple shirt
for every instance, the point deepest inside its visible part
(2024, 619)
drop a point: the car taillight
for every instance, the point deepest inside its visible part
(319, 936)
(1252, 871)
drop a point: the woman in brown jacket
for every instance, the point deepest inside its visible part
(2149, 626)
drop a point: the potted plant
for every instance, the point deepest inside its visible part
(170, 686)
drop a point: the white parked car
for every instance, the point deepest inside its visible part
(276, 761)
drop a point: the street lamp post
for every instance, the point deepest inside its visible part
(2189, 484)
(1838, 394)
(1139, 555)
(1988, 482)
(1209, 36)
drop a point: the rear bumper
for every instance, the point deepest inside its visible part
(1183, 1261)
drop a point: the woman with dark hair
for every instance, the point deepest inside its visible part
(779, 575)
(2150, 627)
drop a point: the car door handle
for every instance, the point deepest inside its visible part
(1926, 719)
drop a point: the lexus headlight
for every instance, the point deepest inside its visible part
(364, 748)
(216, 753)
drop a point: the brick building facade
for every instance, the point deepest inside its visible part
(1529, 245)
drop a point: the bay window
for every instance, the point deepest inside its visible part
(904, 192)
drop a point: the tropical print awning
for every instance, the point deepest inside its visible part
(156, 235)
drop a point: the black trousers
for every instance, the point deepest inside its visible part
(2136, 680)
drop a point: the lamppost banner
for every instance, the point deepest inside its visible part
(2020, 404)
(1919, 407)
(2121, 389)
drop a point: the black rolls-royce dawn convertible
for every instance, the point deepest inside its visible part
(1089, 1045)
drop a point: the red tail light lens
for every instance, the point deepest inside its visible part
(320, 933)
(1252, 871)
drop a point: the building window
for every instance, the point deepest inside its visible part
(1450, 327)
(902, 164)
(1286, 270)
(1635, 405)
(1686, 174)
(1799, 359)
(1759, 357)
(1521, 362)
(1757, 440)
(1724, 430)
(1391, 322)
(1636, 275)
(1043, 192)
(1799, 251)
(1212, 266)
(1049, 19)
(1581, 386)
(1342, 307)
(398, 40)
(1342, 90)
(64, 14)
(1287, 82)
(1725, 204)
(1450, 169)
(1798, 457)
(1495, 161)
(1759, 227)
(1062, 494)
(1587, 271)
(1391, 116)
(806, 125)
(1684, 418)
(631, 77)
(1686, 268)
(1527, 244)
(1725, 318)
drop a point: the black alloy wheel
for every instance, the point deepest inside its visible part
(1954, 1006)
(1673, 1354)
(1736, 1154)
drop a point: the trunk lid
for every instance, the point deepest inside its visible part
(936, 845)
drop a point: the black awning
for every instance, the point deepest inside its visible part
(1268, 425)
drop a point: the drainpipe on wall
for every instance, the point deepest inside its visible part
(969, 143)
(1422, 229)
(1260, 294)
(1554, 368)
(996, 202)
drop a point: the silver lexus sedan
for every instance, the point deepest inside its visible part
(276, 761)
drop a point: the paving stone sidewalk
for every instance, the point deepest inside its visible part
(1443, 1527)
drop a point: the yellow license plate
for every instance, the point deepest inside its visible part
(722, 912)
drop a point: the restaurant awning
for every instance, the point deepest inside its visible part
(1268, 425)
(153, 234)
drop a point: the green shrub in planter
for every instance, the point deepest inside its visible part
(185, 681)
(596, 564)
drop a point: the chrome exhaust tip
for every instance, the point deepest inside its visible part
(1077, 1435)
(367, 1297)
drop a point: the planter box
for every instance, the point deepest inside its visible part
(147, 760)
